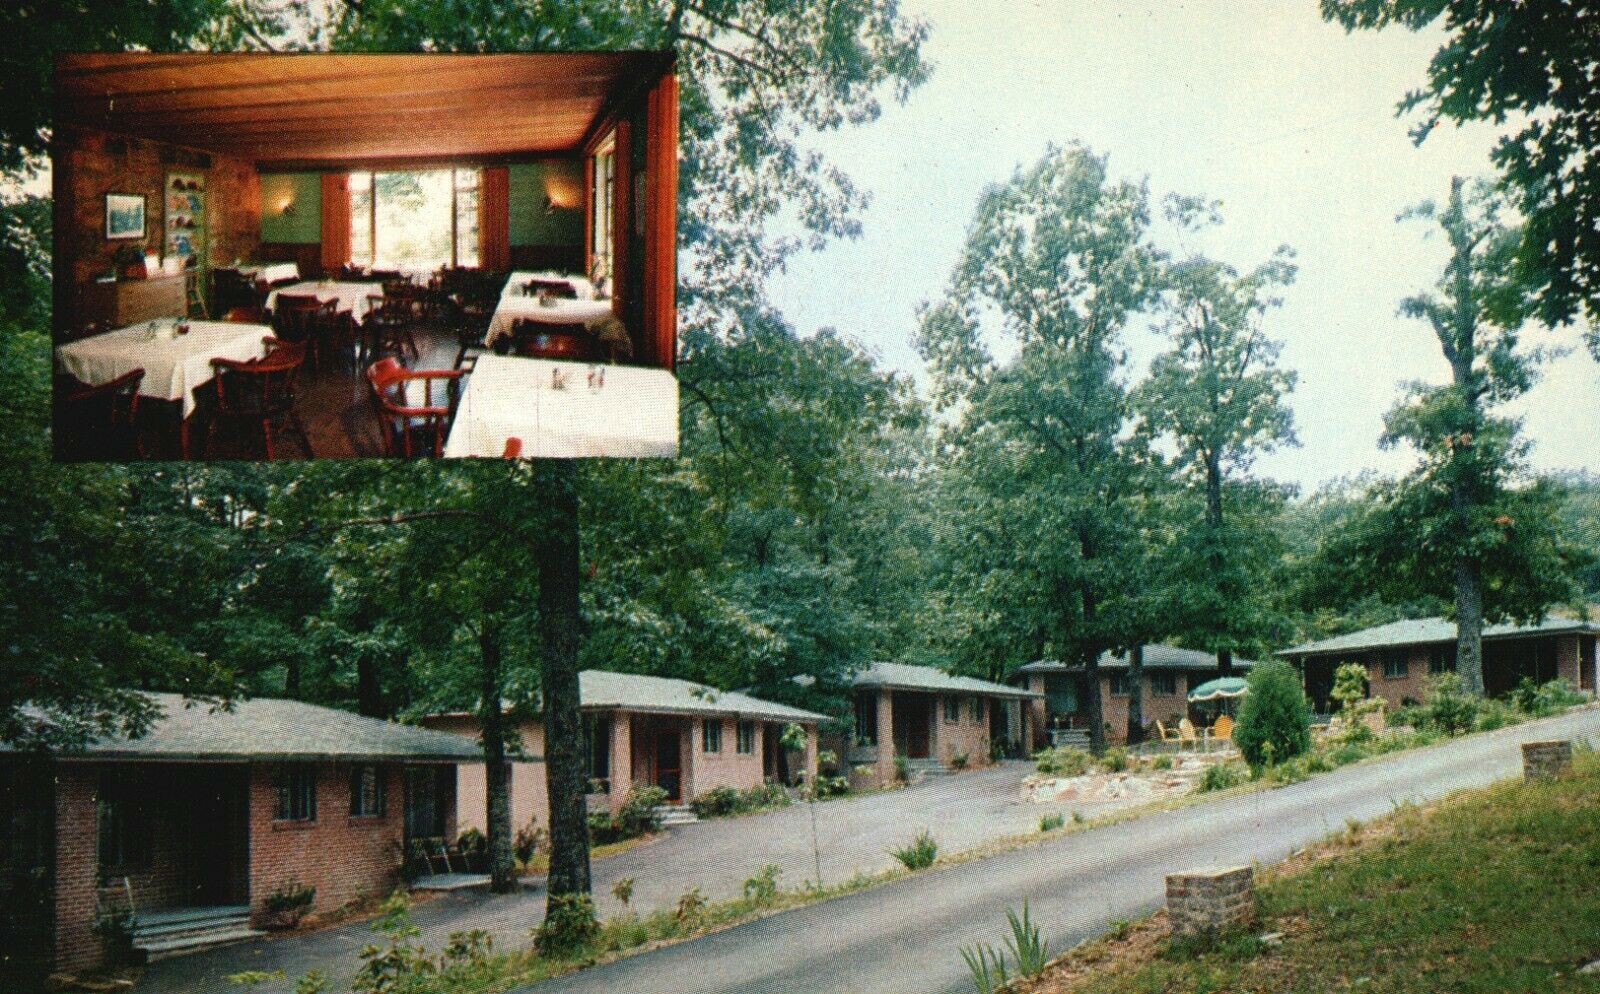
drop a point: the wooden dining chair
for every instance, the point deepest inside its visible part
(409, 429)
(304, 319)
(261, 394)
(388, 327)
(98, 423)
(538, 340)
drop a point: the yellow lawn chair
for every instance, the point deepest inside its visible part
(1187, 733)
(1223, 729)
(1166, 734)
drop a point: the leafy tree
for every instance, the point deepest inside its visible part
(1535, 64)
(1060, 255)
(1219, 396)
(1274, 718)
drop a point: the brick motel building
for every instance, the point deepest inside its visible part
(641, 731)
(189, 829)
(1402, 656)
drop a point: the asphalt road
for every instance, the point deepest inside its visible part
(905, 937)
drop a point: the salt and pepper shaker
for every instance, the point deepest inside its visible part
(597, 378)
(558, 379)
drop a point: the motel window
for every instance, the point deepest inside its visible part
(952, 709)
(867, 720)
(746, 743)
(366, 792)
(465, 215)
(1442, 659)
(1396, 664)
(604, 211)
(711, 735)
(1119, 685)
(123, 826)
(597, 747)
(975, 708)
(297, 794)
(1163, 684)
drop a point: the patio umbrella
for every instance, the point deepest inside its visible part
(1222, 687)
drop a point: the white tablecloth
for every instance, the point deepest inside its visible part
(635, 413)
(517, 281)
(173, 364)
(270, 272)
(352, 297)
(558, 311)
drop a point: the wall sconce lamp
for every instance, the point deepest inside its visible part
(549, 204)
(287, 210)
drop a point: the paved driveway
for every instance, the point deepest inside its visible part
(853, 834)
(904, 937)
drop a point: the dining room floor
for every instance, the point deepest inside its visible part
(332, 400)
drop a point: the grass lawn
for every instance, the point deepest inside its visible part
(1491, 891)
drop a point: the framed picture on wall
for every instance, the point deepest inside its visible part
(124, 215)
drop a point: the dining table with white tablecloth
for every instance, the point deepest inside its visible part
(547, 310)
(517, 282)
(562, 410)
(268, 272)
(353, 298)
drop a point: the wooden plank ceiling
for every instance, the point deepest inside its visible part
(328, 110)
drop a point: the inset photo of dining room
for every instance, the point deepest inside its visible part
(264, 256)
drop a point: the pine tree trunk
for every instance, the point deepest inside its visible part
(1136, 695)
(1097, 724)
(1469, 625)
(565, 766)
(497, 778)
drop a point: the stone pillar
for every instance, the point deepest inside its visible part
(885, 764)
(1206, 902)
(1543, 760)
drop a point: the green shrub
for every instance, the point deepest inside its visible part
(472, 843)
(569, 926)
(1029, 949)
(958, 760)
(691, 906)
(529, 840)
(1490, 715)
(1114, 760)
(286, 906)
(1051, 821)
(1274, 719)
(919, 853)
(1552, 698)
(1063, 761)
(622, 890)
(1220, 777)
(716, 802)
(902, 768)
(988, 968)
(763, 887)
(1349, 686)
(1161, 762)
(636, 817)
(1446, 707)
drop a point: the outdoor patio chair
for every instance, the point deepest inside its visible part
(261, 394)
(1168, 734)
(1187, 734)
(1222, 729)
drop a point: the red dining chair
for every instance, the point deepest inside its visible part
(98, 423)
(261, 393)
(307, 321)
(410, 429)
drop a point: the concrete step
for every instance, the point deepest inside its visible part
(163, 948)
(676, 814)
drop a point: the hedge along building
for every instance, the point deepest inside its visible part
(1063, 702)
(1402, 656)
(686, 738)
(193, 826)
(931, 718)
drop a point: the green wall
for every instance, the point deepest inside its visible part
(304, 190)
(531, 224)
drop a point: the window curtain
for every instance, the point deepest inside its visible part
(335, 221)
(494, 218)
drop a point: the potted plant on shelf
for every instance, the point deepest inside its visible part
(129, 260)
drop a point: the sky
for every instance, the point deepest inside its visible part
(1287, 120)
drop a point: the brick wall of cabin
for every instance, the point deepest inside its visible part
(1567, 660)
(342, 856)
(93, 163)
(964, 735)
(1166, 708)
(725, 768)
(1038, 715)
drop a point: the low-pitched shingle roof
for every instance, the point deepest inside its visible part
(272, 729)
(1156, 657)
(902, 676)
(634, 692)
(1422, 631)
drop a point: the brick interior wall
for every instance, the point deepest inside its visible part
(343, 857)
(93, 163)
